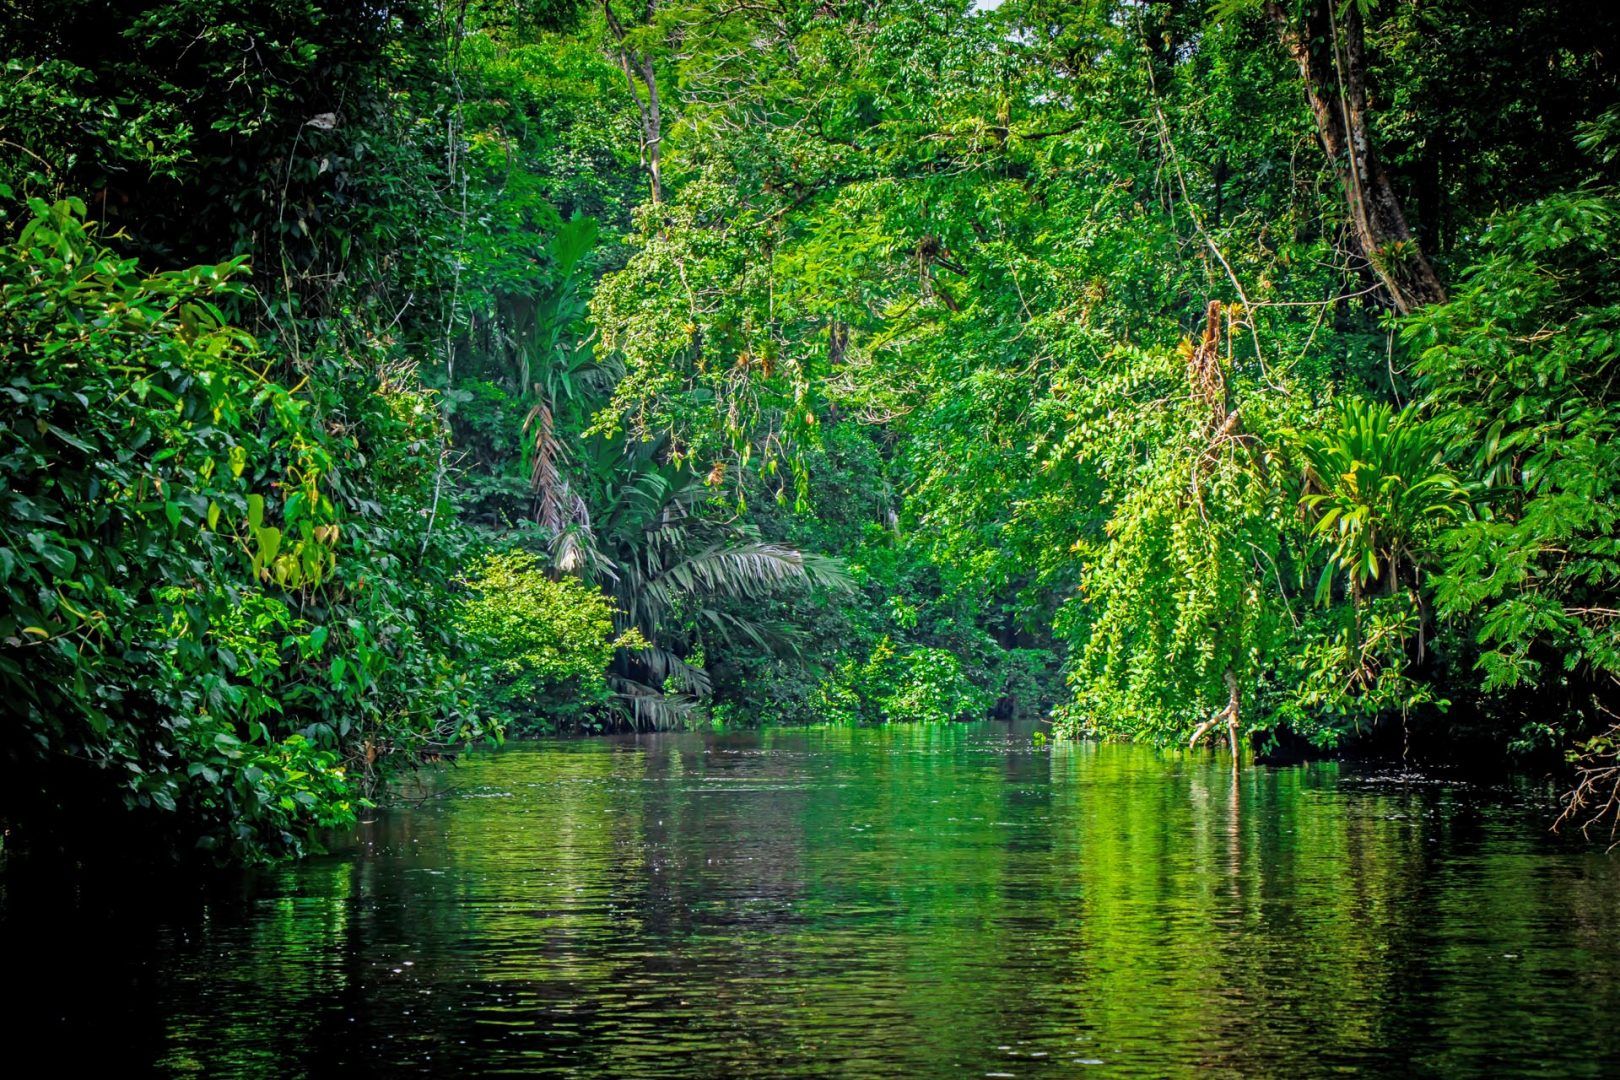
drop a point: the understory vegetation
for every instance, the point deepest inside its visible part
(380, 381)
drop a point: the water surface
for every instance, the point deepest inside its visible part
(902, 901)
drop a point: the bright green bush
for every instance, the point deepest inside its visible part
(919, 684)
(546, 642)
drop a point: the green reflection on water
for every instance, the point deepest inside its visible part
(909, 901)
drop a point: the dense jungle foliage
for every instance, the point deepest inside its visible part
(378, 380)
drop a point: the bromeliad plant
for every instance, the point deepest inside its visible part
(1380, 486)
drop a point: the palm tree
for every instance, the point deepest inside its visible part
(619, 515)
(678, 572)
(529, 336)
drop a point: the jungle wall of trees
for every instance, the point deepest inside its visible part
(378, 380)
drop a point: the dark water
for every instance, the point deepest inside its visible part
(909, 901)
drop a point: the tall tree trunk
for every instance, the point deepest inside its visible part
(638, 69)
(1234, 705)
(1230, 716)
(1330, 52)
(652, 129)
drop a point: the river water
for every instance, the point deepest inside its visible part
(899, 901)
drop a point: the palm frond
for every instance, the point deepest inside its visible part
(649, 709)
(750, 571)
(774, 636)
(574, 550)
(662, 664)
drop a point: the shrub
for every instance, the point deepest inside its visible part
(546, 643)
(920, 684)
(207, 629)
